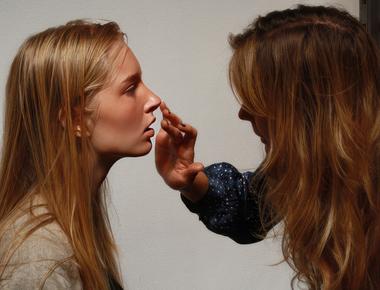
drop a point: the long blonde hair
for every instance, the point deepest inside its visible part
(313, 73)
(57, 73)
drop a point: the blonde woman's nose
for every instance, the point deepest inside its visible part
(152, 104)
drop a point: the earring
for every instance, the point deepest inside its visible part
(77, 131)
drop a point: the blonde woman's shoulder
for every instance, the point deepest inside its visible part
(44, 260)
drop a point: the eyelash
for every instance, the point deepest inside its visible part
(131, 89)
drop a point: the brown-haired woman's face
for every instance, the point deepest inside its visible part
(124, 111)
(259, 125)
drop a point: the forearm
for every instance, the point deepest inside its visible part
(230, 205)
(197, 190)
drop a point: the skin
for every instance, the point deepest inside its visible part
(123, 114)
(174, 153)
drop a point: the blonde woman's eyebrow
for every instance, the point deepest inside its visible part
(131, 78)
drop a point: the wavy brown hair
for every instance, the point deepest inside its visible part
(56, 73)
(313, 73)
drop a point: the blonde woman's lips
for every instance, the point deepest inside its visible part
(149, 132)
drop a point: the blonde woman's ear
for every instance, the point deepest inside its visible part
(89, 123)
(62, 120)
(89, 126)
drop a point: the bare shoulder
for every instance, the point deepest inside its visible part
(42, 260)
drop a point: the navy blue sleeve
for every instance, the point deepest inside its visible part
(230, 206)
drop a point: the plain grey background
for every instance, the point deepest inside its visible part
(183, 50)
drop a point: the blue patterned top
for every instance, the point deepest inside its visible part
(231, 205)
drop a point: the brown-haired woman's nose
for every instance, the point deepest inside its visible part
(244, 115)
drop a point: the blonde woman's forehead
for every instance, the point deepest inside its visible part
(127, 64)
(124, 66)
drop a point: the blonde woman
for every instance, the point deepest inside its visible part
(308, 79)
(75, 104)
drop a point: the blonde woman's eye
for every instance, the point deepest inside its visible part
(131, 89)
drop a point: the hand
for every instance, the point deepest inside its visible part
(174, 151)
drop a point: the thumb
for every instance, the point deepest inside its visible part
(193, 169)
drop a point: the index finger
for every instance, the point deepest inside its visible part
(163, 106)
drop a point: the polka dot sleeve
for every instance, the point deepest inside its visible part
(230, 206)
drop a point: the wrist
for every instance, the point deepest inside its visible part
(197, 189)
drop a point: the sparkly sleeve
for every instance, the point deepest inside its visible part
(230, 206)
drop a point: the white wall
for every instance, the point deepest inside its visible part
(182, 47)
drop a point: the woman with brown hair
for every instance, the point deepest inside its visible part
(308, 79)
(75, 104)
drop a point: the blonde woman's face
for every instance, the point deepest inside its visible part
(124, 111)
